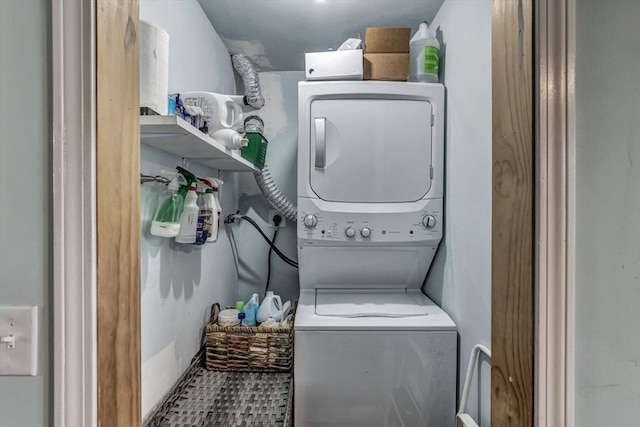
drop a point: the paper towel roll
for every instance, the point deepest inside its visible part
(154, 67)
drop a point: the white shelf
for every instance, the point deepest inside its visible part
(174, 135)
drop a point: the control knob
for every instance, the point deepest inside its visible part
(429, 221)
(350, 232)
(365, 232)
(310, 221)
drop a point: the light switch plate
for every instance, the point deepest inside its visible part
(19, 333)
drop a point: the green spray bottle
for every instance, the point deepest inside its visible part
(166, 222)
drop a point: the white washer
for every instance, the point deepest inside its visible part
(370, 348)
(395, 369)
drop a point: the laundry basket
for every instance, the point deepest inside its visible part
(248, 349)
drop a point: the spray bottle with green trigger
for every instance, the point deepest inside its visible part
(189, 177)
(166, 221)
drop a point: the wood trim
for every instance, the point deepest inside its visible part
(512, 263)
(551, 364)
(74, 274)
(118, 216)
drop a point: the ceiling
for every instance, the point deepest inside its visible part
(277, 33)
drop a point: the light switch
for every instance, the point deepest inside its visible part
(18, 340)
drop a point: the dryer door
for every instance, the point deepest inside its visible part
(370, 150)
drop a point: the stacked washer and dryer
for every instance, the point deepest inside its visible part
(370, 348)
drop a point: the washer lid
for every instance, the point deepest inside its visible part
(346, 303)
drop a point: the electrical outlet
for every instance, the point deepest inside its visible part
(272, 213)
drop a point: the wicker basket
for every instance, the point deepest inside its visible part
(248, 349)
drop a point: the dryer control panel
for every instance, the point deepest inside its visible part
(318, 227)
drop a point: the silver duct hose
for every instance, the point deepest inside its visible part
(247, 71)
(273, 194)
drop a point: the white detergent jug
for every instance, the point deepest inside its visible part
(270, 307)
(226, 113)
(219, 111)
(424, 54)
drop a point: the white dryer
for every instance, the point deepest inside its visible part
(370, 348)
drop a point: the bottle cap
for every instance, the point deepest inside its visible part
(239, 305)
(241, 315)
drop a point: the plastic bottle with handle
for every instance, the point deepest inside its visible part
(424, 54)
(271, 307)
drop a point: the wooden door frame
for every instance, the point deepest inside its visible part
(96, 163)
(513, 213)
(110, 309)
(118, 213)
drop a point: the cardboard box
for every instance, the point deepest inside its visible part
(334, 65)
(386, 66)
(387, 40)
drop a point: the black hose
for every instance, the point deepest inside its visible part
(266, 288)
(285, 258)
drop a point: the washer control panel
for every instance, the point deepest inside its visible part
(316, 226)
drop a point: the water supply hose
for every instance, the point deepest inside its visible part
(232, 218)
(252, 93)
(276, 198)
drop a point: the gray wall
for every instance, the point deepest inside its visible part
(25, 193)
(460, 277)
(180, 282)
(280, 115)
(607, 87)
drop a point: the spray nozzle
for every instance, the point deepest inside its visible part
(207, 183)
(188, 176)
(216, 183)
(175, 180)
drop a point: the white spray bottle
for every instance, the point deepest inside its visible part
(216, 184)
(189, 217)
(204, 214)
(212, 220)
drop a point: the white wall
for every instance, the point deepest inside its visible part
(607, 87)
(180, 282)
(25, 193)
(196, 54)
(280, 115)
(460, 277)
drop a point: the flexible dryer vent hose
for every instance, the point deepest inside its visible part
(273, 194)
(244, 67)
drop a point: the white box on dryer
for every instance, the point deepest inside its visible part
(334, 65)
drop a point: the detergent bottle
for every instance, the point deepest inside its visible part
(250, 310)
(424, 55)
(271, 307)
